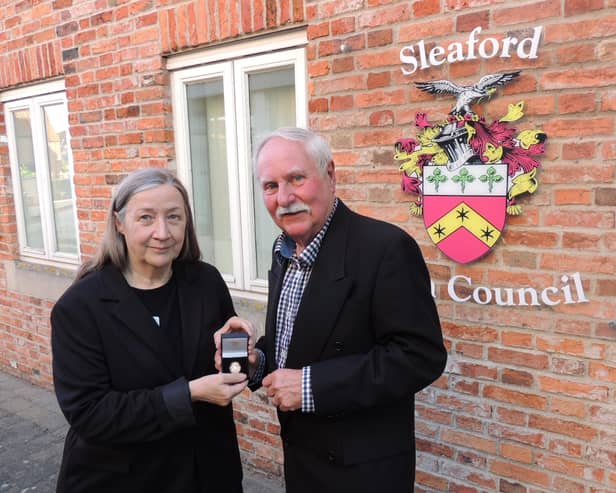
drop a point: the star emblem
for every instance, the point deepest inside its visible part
(439, 230)
(462, 214)
(487, 233)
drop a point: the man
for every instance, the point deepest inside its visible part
(351, 332)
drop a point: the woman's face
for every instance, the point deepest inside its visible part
(153, 227)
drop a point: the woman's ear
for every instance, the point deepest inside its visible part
(118, 223)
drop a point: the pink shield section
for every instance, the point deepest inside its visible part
(462, 245)
(491, 207)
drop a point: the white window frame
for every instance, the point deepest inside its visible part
(34, 99)
(233, 65)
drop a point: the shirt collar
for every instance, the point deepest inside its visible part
(284, 247)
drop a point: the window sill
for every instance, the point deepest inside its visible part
(38, 280)
(252, 307)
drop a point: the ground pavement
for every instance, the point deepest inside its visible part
(32, 431)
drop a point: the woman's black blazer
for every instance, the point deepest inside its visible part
(132, 425)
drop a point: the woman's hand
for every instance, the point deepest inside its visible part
(217, 389)
(236, 324)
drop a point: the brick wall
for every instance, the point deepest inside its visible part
(527, 402)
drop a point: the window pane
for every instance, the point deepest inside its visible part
(208, 154)
(27, 177)
(60, 178)
(272, 105)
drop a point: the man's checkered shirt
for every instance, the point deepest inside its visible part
(294, 282)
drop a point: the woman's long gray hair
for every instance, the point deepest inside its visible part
(112, 250)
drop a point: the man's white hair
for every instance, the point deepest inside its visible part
(316, 146)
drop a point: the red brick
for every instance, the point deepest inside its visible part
(512, 357)
(340, 84)
(378, 79)
(423, 8)
(373, 59)
(483, 334)
(517, 453)
(533, 401)
(384, 16)
(381, 118)
(318, 30)
(573, 389)
(318, 105)
(602, 372)
(509, 487)
(470, 350)
(380, 38)
(564, 484)
(344, 25)
(574, 7)
(577, 103)
(343, 64)
(572, 197)
(433, 448)
(520, 378)
(468, 22)
(563, 427)
(605, 196)
(567, 466)
(606, 287)
(524, 474)
(433, 482)
(318, 69)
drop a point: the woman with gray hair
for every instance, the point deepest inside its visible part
(133, 354)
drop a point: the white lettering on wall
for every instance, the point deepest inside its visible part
(415, 56)
(570, 291)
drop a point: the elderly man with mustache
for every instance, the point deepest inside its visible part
(352, 331)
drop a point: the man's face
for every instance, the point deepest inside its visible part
(296, 194)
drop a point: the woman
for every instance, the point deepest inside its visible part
(133, 354)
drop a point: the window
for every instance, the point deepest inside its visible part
(42, 171)
(221, 111)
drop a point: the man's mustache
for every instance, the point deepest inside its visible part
(292, 209)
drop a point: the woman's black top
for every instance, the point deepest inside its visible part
(162, 303)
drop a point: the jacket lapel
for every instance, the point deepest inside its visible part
(130, 312)
(190, 313)
(275, 278)
(324, 296)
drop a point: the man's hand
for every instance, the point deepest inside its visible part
(284, 388)
(218, 389)
(235, 324)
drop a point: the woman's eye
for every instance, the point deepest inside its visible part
(145, 218)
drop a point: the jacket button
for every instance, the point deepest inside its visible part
(338, 346)
(331, 456)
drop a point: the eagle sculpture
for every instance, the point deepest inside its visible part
(466, 95)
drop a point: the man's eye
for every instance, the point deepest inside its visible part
(297, 179)
(269, 187)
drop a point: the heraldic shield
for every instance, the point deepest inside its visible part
(464, 208)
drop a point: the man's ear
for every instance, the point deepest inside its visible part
(331, 172)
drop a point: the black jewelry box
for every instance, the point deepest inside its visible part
(234, 348)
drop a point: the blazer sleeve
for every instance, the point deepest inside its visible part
(98, 412)
(408, 352)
